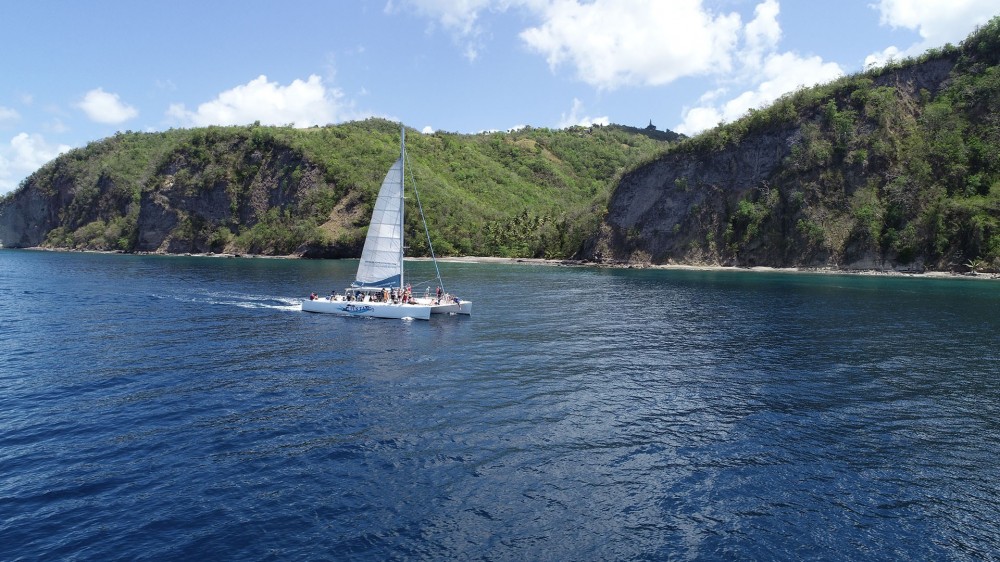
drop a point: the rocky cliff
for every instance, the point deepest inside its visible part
(895, 168)
(669, 209)
(193, 191)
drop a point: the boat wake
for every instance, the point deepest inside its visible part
(243, 300)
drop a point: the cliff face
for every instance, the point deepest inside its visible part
(191, 197)
(27, 218)
(880, 170)
(191, 202)
(664, 210)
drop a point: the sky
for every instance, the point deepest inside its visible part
(75, 72)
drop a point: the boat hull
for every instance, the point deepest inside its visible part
(461, 307)
(368, 309)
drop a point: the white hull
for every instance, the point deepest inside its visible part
(464, 307)
(368, 309)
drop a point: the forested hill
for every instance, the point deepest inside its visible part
(310, 192)
(894, 168)
(897, 167)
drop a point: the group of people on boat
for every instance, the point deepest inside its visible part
(386, 295)
(395, 296)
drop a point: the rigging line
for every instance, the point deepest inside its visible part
(423, 219)
(425, 282)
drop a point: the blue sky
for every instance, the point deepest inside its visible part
(75, 72)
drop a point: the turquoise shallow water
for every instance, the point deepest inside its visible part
(181, 408)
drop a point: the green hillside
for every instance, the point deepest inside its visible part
(896, 167)
(280, 190)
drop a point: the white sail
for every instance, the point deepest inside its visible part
(382, 257)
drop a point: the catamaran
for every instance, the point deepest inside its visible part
(379, 289)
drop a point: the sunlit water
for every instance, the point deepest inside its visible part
(183, 408)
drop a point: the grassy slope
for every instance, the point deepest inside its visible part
(534, 192)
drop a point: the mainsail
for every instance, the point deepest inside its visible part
(382, 257)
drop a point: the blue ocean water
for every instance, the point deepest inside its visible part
(159, 408)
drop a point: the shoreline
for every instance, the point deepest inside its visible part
(580, 263)
(706, 267)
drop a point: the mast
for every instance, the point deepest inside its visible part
(402, 200)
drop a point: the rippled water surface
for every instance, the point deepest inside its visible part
(183, 408)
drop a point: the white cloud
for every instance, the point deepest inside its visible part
(936, 21)
(881, 58)
(23, 155)
(165, 85)
(762, 33)
(8, 114)
(640, 42)
(427, 130)
(781, 73)
(460, 18)
(697, 119)
(612, 44)
(105, 107)
(765, 75)
(301, 103)
(575, 119)
(607, 43)
(55, 126)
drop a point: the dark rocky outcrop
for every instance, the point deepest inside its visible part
(195, 197)
(884, 169)
(660, 209)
